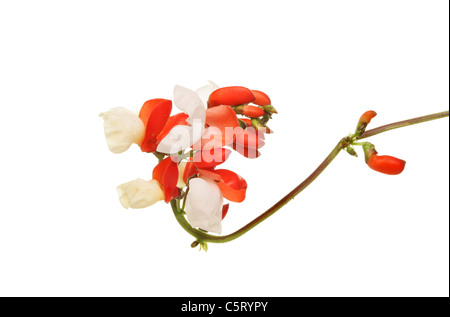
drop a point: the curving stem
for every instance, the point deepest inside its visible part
(202, 236)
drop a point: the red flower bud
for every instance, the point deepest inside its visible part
(364, 121)
(230, 96)
(249, 111)
(261, 99)
(367, 116)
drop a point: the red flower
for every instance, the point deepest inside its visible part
(384, 164)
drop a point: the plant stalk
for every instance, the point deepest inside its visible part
(202, 236)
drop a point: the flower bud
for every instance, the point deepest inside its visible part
(204, 205)
(351, 151)
(140, 193)
(364, 120)
(270, 109)
(256, 123)
(249, 111)
(122, 128)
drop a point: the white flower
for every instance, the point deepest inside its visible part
(193, 104)
(204, 205)
(122, 128)
(140, 193)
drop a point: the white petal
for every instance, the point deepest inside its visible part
(180, 138)
(205, 91)
(181, 168)
(204, 205)
(122, 128)
(140, 193)
(189, 102)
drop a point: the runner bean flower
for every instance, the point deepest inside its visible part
(191, 145)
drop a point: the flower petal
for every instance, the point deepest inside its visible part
(181, 168)
(221, 117)
(166, 173)
(248, 138)
(140, 193)
(222, 122)
(189, 102)
(179, 138)
(232, 185)
(261, 98)
(122, 128)
(204, 205)
(248, 152)
(211, 158)
(230, 96)
(178, 119)
(225, 210)
(205, 91)
(189, 171)
(154, 113)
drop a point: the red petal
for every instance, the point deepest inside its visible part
(245, 151)
(189, 170)
(248, 122)
(261, 99)
(386, 164)
(178, 119)
(211, 158)
(248, 138)
(170, 182)
(154, 114)
(209, 174)
(230, 96)
(166, 173)
(160, 169)
(222, 122)
(221, 117)
(232, 185)
(225, 210)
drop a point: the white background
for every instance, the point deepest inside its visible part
(353, 232)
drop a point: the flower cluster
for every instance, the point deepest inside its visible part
(190, 145)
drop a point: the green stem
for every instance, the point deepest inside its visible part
(402, 124)
(205, 237)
